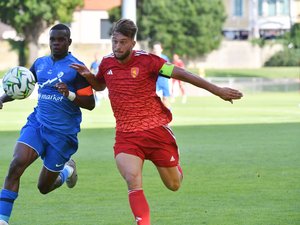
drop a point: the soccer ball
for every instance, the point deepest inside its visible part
(18, 82)
(2, 222)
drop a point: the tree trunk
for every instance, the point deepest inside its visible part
(33, 52)
(32, 34)
(22, 53)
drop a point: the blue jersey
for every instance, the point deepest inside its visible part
(53, 110)
(162, 83)
(95, 66)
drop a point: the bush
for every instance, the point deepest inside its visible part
(295, 35)
(287, 57)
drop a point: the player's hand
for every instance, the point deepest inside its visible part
(62, 88)
(229, 94)
(82, 69)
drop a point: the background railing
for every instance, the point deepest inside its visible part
(250, 84)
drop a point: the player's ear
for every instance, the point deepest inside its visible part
(70, 41)
(133, 43)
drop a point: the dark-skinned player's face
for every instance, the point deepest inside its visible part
(59, 43)
(122, 46)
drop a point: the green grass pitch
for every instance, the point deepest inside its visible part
(241, 166)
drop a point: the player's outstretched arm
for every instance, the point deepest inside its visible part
(90, 77)
(4, 98)
(86, 102)
(227, 94)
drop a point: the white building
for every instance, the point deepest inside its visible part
(259, 18)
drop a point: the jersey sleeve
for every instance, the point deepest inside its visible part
(83, 88)
(157, 63)
(166, 70)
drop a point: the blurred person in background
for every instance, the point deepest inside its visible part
(162, 83)
(181, 85)
(94, 69)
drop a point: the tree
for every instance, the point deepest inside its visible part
(290, 55)
(187, 27)
(294, 35)
(30, 18)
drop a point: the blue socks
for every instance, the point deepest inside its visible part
(7, 199)
(64, 174)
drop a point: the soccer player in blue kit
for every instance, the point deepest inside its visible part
(162, 83)
(51, 129)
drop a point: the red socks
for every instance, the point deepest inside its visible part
(139, 207)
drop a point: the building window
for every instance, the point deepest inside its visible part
(260, 7)
(283, 7)
(238, 8)
(271, 7)
(105, 29)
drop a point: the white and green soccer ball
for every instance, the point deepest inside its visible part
(18, 83)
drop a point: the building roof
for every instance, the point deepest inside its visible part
(100, 4)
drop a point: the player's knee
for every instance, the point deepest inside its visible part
(43, 189)
(174, 186)
(133, 181)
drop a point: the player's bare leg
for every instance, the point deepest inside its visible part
(130, 167)
(47, 181)
(171, 176)
(50, 180)
(23, 157)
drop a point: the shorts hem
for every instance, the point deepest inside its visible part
(55, 171)
(129, 153)
(29, 146)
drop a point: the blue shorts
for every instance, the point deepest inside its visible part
(162, 84)
(54, 148)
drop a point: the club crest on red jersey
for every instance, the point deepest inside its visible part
(134, 72)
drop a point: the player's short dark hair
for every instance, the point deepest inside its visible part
(126, 27)
(61, 26)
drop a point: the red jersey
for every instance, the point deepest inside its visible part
(132, 91)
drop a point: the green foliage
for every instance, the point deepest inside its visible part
(114, 14)
(287, 57)
(189, 28)
(290, 56)
(261, 42)
(31, 17)
(21, 48)
(194, 31)
(295, 35)
(28, 16)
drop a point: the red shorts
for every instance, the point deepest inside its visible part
(157, 145)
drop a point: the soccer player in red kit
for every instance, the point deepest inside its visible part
(178, 62)
(142, 130)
